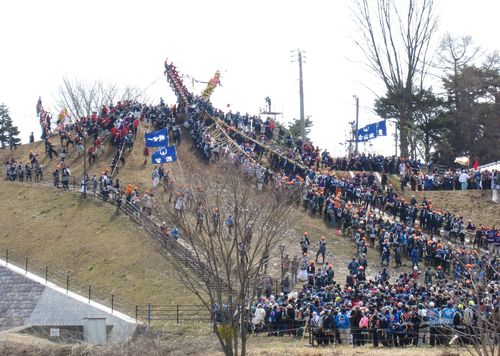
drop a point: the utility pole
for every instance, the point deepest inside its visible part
(357, 124)
(301, 93)
(301, 59)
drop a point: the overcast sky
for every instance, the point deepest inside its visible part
(126, 42)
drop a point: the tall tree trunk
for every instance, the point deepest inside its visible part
(244, 326)
(427, 149)
(403, 135)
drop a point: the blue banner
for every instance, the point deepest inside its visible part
(164, 155)
(371, 131)
(157, 138)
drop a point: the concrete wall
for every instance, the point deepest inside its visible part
(26, 300)
(57, 309)
(18, 298)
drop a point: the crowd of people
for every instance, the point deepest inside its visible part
(393, 312)
(450, 293)
(459, 291)
(29, 172)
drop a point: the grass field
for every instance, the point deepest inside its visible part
(471, 204)
(87, 238)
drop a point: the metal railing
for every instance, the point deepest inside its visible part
(66, 280)
(179, 313)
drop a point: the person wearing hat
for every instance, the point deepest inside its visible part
(470, 321)
(258, 319)
(434, 316)
(305, 242)
(321, 249)
(447, 315)
(458, 325)
(361, 276)
(424, 334)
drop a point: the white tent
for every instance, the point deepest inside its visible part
(490, 166)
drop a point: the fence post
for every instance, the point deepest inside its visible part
(26, 266)
(112, 303)
(177, 314)
(7, 257)
(89, 292)
(149, 314)
(136, 313)
(67, 283)
(46, 274)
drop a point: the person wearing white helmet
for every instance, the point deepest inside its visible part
(433, 316)
(424, 326)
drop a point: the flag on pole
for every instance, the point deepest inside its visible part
(371, 131)
(157, 138)
(62, 116)
(164, 155)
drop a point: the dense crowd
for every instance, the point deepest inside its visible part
(446, 307)
(387, 311)
(298, 157)
(452, 291)
(116, 123)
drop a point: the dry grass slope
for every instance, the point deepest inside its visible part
(471, 204)
(88, 239)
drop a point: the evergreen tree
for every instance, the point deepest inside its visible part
(426, 125)
(294, 127)
(472, 123)
(8, 132)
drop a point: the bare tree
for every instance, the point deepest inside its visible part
(481, 335)
(395, 40)
(457, 52)
(81, 98)
(229, 228)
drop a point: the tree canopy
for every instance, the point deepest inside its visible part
(8, 132)
(294, 127)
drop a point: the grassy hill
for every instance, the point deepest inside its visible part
(470, 204)
(110, 252)
(87, 238)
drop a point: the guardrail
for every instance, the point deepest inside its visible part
(67, 281)
(179, 313)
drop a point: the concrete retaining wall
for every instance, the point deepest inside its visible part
(27, 300)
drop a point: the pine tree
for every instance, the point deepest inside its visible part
(8, 131)
(294, 127)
